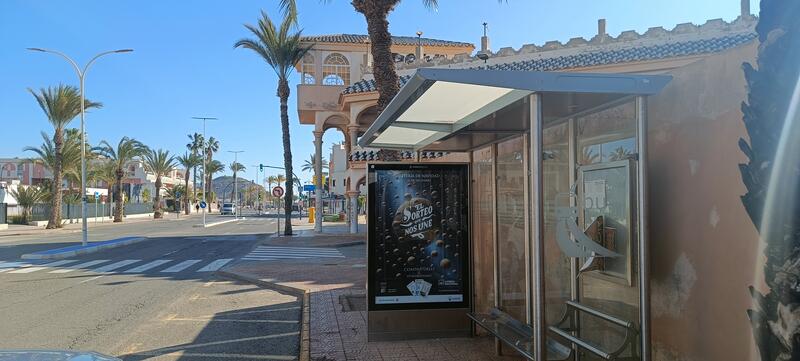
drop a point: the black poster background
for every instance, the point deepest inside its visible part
(430, 243)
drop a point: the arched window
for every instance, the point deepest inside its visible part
(336, 70)
(307, 73)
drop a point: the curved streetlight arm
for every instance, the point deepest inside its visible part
(56, 52)
(75, 65)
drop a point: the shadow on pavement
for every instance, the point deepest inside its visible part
(269, 332)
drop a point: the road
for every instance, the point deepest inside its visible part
(154, 300)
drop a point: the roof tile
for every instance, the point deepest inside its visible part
(396, 40)
(600, 57)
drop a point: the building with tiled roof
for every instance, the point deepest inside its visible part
(396, 40)
(685, 40)
(350, 108)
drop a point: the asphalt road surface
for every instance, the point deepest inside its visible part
(154, 300)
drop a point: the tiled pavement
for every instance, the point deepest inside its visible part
(336, 334)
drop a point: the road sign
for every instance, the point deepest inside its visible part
(277, 191)
(96, 194)
(309, 188)
(203, 205)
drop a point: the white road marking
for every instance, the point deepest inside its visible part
(79, 266)
(213, 266)
(27, 270)
(91, 279)
(59, 263)
(44, 266)
(12, 265)
(181, 266)
(148, 266)
(115, 265)
(271, 253)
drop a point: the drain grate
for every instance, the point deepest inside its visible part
(353, 302)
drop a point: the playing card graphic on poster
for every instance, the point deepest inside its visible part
(418, 235)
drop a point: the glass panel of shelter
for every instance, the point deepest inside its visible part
(589, 182)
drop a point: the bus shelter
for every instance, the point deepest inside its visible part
(558, 196)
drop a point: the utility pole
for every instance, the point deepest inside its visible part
(82, 77)
(235, 190)
(204, 119)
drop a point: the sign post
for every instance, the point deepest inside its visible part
(278, 193)
(96, 196)
(177, 202)
(418, 251)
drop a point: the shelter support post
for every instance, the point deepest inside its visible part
(537, 222)
(644, 244)
(352, 208)
(318, 181)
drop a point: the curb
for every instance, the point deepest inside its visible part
(84, 250)
(217, 223)
(305, 295)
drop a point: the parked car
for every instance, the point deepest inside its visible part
(228, 208)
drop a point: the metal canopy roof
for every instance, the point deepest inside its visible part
(436, 103)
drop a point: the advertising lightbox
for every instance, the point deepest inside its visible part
(418, 236)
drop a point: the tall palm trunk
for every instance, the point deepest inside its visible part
(283, 93)
(186, 209)
(233, 192)
(55, 212)
(207, 180)
(376, 12)
(118, 197)
(157, 200)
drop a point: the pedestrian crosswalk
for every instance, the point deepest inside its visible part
(106, 266)
(271, 253)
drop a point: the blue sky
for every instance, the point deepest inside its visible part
(184, 64)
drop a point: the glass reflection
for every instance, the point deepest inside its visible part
(511, 225)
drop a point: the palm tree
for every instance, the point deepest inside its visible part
(175, 193)
(308, 165)
(282, 50)
(160, 163)
(212, 146)
(70, 156)
(105, 171)
(236, 167)
(620, 153)
(27, 197)
(126, 150)
(188, 162)
(196, 145)
(60, 104)
(214, 166)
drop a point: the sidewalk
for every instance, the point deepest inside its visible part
(335, 306)
(24, 230)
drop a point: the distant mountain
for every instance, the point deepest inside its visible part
(223, 187)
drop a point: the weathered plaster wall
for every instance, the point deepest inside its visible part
(704, 247)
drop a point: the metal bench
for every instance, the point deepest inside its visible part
(569, 322)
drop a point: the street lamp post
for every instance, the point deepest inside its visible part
(235, 190)
(81, 77)
(204, 164)
(258, 190)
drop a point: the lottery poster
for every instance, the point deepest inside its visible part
(418, 235)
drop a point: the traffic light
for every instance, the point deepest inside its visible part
(261, 167)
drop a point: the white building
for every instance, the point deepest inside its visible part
(337, 170)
